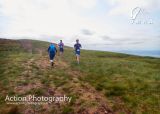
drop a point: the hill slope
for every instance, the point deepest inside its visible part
(104, 82)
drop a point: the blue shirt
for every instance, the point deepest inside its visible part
(77, 47)
(52, 49)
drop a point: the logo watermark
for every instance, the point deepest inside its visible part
(32, 99)
(140, 16)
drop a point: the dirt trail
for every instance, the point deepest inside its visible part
(89, 101)
(85, 91)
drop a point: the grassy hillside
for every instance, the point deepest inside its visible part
(103, 83)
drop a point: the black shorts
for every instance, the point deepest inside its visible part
(61, 49)
(52, 55)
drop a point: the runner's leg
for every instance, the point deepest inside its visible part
(52, 55)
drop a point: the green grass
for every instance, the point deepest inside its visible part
(67, 110)
(134, 80)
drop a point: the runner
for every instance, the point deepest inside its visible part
(52, 52)
(77, 48)
(61, 47)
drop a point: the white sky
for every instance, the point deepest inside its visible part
(100, 24)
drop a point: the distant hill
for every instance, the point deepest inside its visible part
(103, 82)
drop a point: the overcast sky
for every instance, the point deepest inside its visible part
(99, 24)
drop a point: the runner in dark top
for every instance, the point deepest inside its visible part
(77, 48)
(61, 47)
(52, 52)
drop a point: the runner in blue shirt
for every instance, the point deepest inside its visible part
(77, 48)
(61, 47)
(52, 52)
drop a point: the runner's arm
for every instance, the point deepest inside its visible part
(48, 48)
(74, 46)
(80, 46)
(56, 49)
